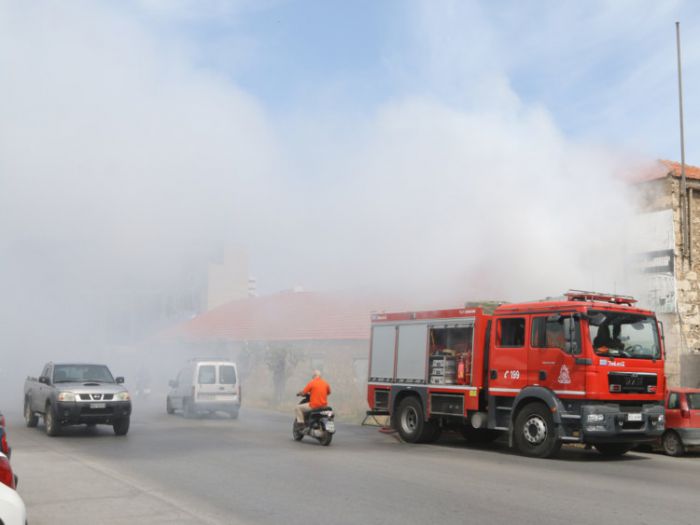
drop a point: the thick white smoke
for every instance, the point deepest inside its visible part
(123, 163)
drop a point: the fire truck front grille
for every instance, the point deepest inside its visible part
(631, 383)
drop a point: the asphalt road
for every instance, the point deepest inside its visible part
(249, 471)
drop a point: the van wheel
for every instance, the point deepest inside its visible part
(187, 409)
(168, 406)
(673, 446)
(612, 450)
(233, 414)
(53, 427)
(409, 421)
(534, 432)
(30, 417)
(121, 426)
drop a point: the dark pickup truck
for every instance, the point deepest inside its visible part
(75, 394)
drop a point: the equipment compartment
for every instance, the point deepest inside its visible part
(450, 354)
(447, 404)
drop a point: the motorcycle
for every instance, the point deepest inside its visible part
(319, 424)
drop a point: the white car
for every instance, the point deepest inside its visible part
(12, 509)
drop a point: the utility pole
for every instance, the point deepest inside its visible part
(685, 226)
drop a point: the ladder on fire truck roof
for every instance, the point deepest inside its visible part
(581, 295)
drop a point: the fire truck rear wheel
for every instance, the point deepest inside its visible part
(432, 432)
(410, 421)
(534, 431)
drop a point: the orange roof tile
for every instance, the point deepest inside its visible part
(286, 316)
(659, 169)
(674, 168)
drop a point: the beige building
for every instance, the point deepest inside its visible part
(672, 264)
(228, 280)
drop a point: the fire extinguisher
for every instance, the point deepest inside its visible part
(460, 371)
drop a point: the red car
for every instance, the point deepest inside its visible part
(682, 420)
(4, 446)
(6, 475)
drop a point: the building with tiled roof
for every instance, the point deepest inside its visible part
(286, 316)
(279, 339)
(674, 272)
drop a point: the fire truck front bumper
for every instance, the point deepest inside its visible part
(614, 423)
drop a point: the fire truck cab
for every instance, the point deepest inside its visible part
(587, 368)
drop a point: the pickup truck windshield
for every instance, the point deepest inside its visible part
(82, 374)
(619, 334)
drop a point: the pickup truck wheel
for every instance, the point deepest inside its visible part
(168, 406)
(410, 421)
(673, 446)
(534, 431)
(30, 417)
(121, 426)
(233, 414)
(53, 427)
(612, 450)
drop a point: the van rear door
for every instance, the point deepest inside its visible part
(228, 381)
(207, 387)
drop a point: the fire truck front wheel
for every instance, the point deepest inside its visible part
(534, 431)
(410, 421)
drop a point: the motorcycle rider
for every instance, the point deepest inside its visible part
(318, 390)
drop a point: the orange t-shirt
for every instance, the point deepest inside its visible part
(319, 391)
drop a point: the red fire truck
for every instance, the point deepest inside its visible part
(588, 368)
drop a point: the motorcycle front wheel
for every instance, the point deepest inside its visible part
(326, 439)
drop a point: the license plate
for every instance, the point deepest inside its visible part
(330, 426)
(634, 417)
(98, 405)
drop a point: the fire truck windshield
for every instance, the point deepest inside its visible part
(623, 335)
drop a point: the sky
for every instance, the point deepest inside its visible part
(604, 70)
(444, 150)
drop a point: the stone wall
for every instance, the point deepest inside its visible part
(683, 328)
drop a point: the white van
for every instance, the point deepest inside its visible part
(205, 385)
